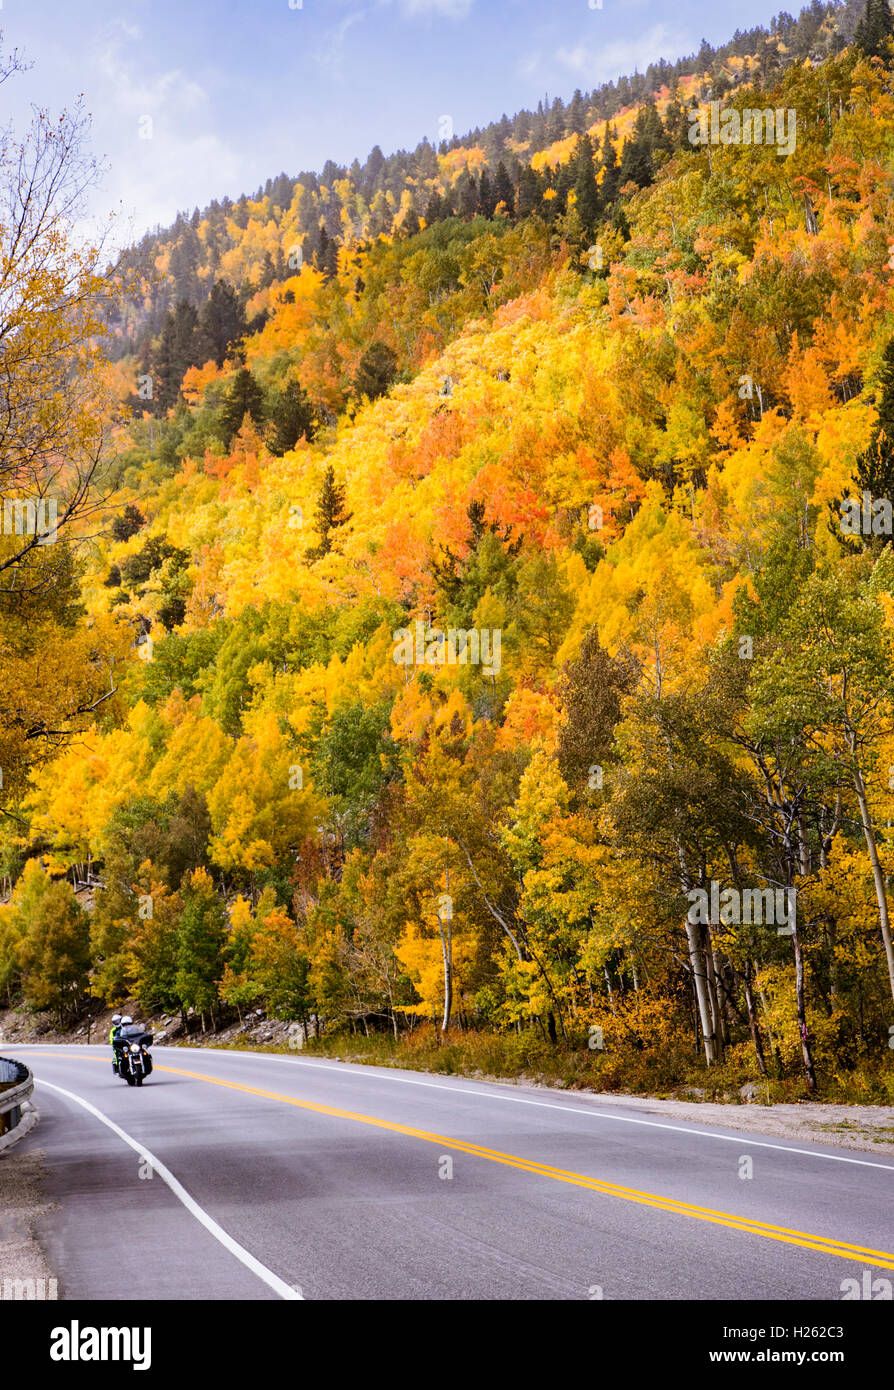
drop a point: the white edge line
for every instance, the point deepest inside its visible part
(273, 1281)
(385, 1074)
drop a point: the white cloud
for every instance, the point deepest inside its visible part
(450, 9)
(146, 176)
(331, 52)
(611, 60)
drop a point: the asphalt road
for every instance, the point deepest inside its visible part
(233, 1175)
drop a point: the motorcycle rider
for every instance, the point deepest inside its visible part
(116, 1024)
(127, 1034)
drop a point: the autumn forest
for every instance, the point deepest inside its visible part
(447, 601)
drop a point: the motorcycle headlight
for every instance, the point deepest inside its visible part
(134, 1047)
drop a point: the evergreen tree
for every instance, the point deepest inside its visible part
(128, 524)
(875, 29)
(435, 210)
(528, 192)
(874, 471)
(325, 257)
(577, 114)
(555, 129)
(177, 352)
(467, 197)
(410, 226)
(330, 513)
(292, 417)
(221, 324)
(586, 189)
(375, 371)
(504, 190)
(487, 200)
(244, 397)
(608, 161)
(676, 122)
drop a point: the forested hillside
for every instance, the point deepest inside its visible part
(475, 590)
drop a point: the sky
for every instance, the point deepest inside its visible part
(196, 99)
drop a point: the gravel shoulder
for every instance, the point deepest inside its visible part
(866, 1127)
(22, 1206)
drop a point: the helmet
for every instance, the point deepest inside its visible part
(127, 1019)
(116, 1018)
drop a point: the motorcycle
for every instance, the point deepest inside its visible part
(134, 1059)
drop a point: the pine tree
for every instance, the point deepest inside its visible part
(128, 524)
(468, 197)
(608, 160)
(556, 125)
(504, 191)
(874, 471)
(375, 371)
(221, 324)
(487, 201)
(244, 397)
(875, 29)
(577, 114)
(292, 417)
(325, 257)
(330, 513)
(528, 192)
(875, 467)
(676, 123)
(177, 352)
(435, 210)
(586, 189)
(410, 226)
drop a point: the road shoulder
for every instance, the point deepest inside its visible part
(23, 1264)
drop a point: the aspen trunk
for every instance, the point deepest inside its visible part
(878, 876)
(697, 962)
(720, 1028)
(806, 1053)
(447, 953)
(753, 1023)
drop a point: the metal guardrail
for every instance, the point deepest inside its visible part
(16, 1086)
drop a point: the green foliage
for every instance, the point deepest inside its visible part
(245, 397)
(221, 324)
(128, 524)
(292, 417)
(353, 760)
(376, 371)
(330, 513)
(875, 29)
(45, 940)
(201, 938)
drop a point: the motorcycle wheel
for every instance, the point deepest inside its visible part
(139, 1081)
(131, 1080)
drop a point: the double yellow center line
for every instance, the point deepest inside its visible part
(882, 1258)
